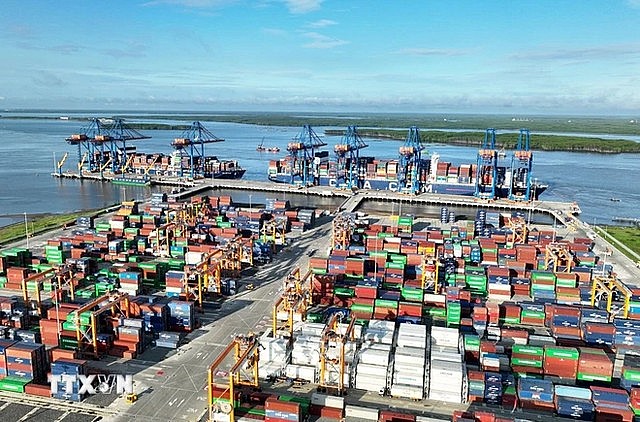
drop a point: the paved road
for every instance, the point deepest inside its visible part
(172, 385)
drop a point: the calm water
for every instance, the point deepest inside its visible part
(27, 149)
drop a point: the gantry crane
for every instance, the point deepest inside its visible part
(295, 299)
(164, 236)
(88, 324)
(303, 160)
(332, 354)
(60, 163)
(191, 144)
(62, 277)
(518, 231)
(487, 167)
(348, 165)
(558, 258)
(411, 163)
(242, 373)
(521, 165)
(274, 231)
(611, 288)
(430, 268)
(342, 228)
(204, 277)
(104, 143)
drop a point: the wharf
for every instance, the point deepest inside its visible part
(108, 177)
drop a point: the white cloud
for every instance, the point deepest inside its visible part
(322, 23)
(596, 52)
(634, 3)
(322, 41)
(197, 4)
(274, 31)
(303, 6)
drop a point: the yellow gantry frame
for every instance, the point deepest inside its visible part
(519, 231)
(342, 227)
(556, 255)
(246, 351)
(295, 298)
(606, 286)
(331, 333)
(273, 230)
(428, 276)
(37, 278)
(87, 338)
(164, 234)
(206, 272)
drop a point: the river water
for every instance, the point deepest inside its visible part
(28, 148)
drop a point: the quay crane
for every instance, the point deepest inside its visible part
(104, 144)
(411, 163)
(348, 165)
(243, 373)
(609, 288)
(303, 160)
(521, 164)
(190, 144)
(487, 167)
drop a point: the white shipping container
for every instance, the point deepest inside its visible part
(361, 413)
(379, 337)
(416, 330)
(357, 330)
(370, 383)
(411, 341)
(445, 385)
(327, 401)
(433, 298)
(221, 417)
(407, 391)
(376, 370)
(301, 371)
(441, 336)
(414, 361)
(376, 346)
(272, 369)
(446, 356)
(427, 419)
(314, 329)
(415, 379)
(334, 376)
(374, 357)
(379, 324)
(406, 367)
(411, 351)
(193, 258)
(445, 396)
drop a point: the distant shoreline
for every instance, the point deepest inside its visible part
(445, 130)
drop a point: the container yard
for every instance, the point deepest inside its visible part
(273, 312)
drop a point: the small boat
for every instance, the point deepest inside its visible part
(614, 199)
(262, 148)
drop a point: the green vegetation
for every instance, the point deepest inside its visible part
(628, 236)
(509, 140)
(38, 224)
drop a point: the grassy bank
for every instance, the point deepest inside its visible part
(628, 236)
(38, 224)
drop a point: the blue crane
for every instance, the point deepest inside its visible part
(190, 145)
(104, 142)
(303, 159)
(412, 166)
(521, 165)
(349, 167)
(487, 167)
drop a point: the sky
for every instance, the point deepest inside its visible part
(420, 56)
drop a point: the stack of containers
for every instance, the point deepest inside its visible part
(4, 345)
(532, 314)
(634, 401)
(281, 411)
(499, 284)
(543, 285)
(332, 374)
(446, 369)
(168, 339)
(327, 406)
(575, 403)
(627, 333)
(182, 315)
(273, 356)
(409, 362)
(561, 362)
(527, 359)
(174, 283)
(71, 367)
(535, 393)
(493, 388)
(565, 323)
(475, 386)
(630, 372)
(130, 282)
(597, 333)
(611, 404)
(595, 365)
(26, 361)
(373, 360)
(305, 355)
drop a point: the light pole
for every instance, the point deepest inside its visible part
(26, 229)
(250, 208)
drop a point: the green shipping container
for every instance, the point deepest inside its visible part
(13, 384)
(388, 304)
(526, 362)
(344, 291)
(394, 265)
(589, 377)
(563, 353)
(631, 374)
(356, 307)
(527, 350)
